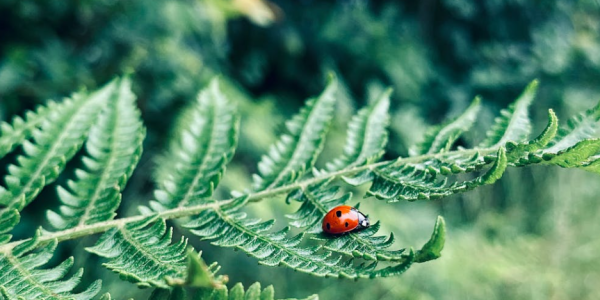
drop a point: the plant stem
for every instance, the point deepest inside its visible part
(180, 212)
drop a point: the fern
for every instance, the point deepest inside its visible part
(513, 125)
(63, 130)
(114, 147)
(254, 292)
(22, 128)
(22, 278)
(208, 137)
(142, 252)
(441, 138)
(141, 249)
(297, 152)
(367, 135)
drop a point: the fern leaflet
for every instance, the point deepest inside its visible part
(21, 278)
(367, 135)
(513, 125)
(206, 144)
(297, 152)
(114, 146)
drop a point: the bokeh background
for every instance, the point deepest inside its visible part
(533, 235)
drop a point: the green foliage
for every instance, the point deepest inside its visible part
(367, 135)
(142, 252)
(513, 125)
(235, 293)
(296, 152)
(441, 138)
(22, 277)
(57, 136)
(197, 158)
(141, 248)
(114, 147)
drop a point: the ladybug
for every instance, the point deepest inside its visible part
(342, 219)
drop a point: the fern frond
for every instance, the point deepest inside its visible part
(517, 154)
(9, 218)
(228, 227)
(316, 202)
(367, 135)
(59, 138)
(197, 158)
(237, 292)
(114, 147)
(513, 124)
(434, 246)
(21, 277)
(393, 183)
(441, 138)
(297, 151)
(142, 252)
(20, 129)
(579, 127)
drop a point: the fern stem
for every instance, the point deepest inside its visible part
(180, 212)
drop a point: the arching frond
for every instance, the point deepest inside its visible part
(519, 154)
(316, 202)
(59, 137)
(237, 292)
(297, 151)
(197, 158)
(9, 218)
(20, 129)
(142, 252)
(228, 227)
(367, 135)
(513, 124)
(393, 183)
(579, 127)
(22, 278)
(114, 147)
(434, 246)
(441, 138)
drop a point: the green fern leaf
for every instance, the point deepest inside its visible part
(228, 227)
(9, 218)
(408, 183)
(513, 124)
(114, 147)
(433, 248)
(237, 292)
(580, 127)
(142, 252)
(517, 153)
(316, 202)
(58, 139)
(367, 135)
(574, 156)
(21, 278)
(441, 138)
(297, 151)
(21, 129)
(197, 158)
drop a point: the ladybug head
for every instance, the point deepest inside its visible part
(363, 220)
(365, 223)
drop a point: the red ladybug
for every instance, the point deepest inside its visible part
(344, 218)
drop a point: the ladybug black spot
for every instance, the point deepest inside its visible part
(338, 213)
(328, 226)
(346, 224)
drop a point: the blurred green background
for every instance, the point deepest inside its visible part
(533, 235)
